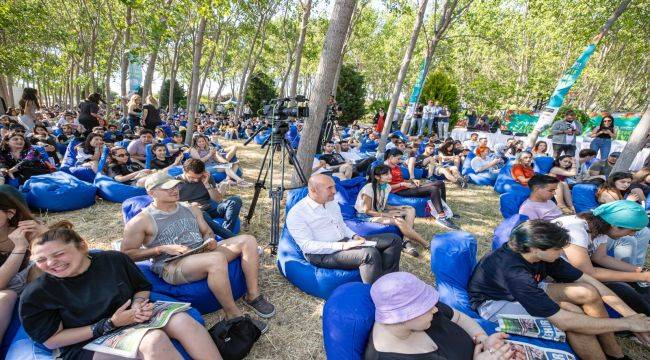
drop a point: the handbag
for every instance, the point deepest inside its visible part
(235, 337)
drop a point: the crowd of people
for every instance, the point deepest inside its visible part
(594, 258)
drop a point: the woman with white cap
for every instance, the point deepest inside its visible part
(410, 323)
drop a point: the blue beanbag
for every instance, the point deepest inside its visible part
(197, 293)
(502, 232)
(466, 169)
(453, 257)
(504, 181)
(58, 191)
(315, 281)
(420, 204)
(68, 164)
(115, 191)
(262, 136)
(543, 164)
(13, 328)
(348, 317)
(584, 197)
(510, 202)
(22, 347)
(482, 179)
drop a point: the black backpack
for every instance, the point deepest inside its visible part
(235, 337)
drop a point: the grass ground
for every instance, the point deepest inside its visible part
(296, 330)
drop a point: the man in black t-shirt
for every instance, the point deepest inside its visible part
(510, 281)
(198, 187)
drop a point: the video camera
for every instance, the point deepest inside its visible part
(278, 109)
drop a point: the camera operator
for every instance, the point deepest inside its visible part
(327, 129)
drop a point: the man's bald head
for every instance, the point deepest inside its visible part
(321, 188)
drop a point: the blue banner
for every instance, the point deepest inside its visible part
(569, 78)
(417, 88)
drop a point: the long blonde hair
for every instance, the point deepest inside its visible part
(132, 100)
(152, 100)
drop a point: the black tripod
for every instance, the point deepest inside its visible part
(276, 142)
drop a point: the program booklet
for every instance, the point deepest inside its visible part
(530, 326)
(125, 341)
(533, 352)
(197, 250)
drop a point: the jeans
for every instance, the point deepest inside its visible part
(228, 210)
(631, 249)
(427, 122)
(636, 297)
(566, 148)
(602, 144)
(443, 129)
(416, 121)
(372, 262)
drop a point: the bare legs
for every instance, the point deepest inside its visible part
(405, 225)
(564, 198)
(585, 298)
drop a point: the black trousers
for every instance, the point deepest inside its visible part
(567, 149)
(372, 262)
(361, 168)
(435, 191)
(636, 297)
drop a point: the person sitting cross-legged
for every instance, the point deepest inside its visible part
(539, 204)
(317, 226)
(200, 189)
(166, 228)
(510, 281)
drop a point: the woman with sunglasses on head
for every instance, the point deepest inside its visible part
(65, 308)
(123, 170)
(19, 160)
(603, 135)
(17, 228)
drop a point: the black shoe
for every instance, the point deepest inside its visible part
(445, 222)
(456, 216)
(409, 249)
(465, 182)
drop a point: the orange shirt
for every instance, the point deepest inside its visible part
(521, 170)
(396, 178)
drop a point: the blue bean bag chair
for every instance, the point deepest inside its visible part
(504, 181)
(13, 328)
(584, 197)
(262, 136)
(132, 206)
(58, 191)
(543, 164)
(315, 281)
(466, 169)
(502, 232)
(453, 257)
(68, 164)
(111, 189)
(485, 178)
(510, 202)
(22, 347)
(348, 317)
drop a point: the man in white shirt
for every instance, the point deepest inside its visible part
(317, 226)
(472, 142)
(427, 116)
(361, 164)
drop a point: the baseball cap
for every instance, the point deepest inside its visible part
(160, 180)
(401, 296)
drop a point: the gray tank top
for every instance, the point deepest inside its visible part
(178, 227)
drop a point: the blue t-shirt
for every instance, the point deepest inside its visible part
(506, 275)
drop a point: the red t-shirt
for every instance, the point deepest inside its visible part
(396, 178)
(521, 170)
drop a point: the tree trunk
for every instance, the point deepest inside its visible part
(172, 76)
(10, 94)
(206, 71)
(194, 97)
(109, 68)
(299, 46)
(124, 66)
(635, 144)
(247, 65)
(330, 56)
(251, 70)
(153, 57)
(397, 88)
(3, 88)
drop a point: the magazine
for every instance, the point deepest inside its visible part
(197, 250)
(533, 352)
(125, 341)
(530, 326)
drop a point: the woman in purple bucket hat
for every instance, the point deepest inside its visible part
(410, 323)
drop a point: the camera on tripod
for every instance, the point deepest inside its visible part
(278, 109)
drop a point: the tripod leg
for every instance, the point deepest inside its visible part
(259, 184)
(296, 165)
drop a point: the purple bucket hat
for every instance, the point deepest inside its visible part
(401, 296)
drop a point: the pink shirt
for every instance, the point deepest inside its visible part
(540, 210)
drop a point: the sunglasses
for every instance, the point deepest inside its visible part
(121, 155)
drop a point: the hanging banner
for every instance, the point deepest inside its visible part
(135, 74)
(417, 88)
(562, 88)
(523, 123)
